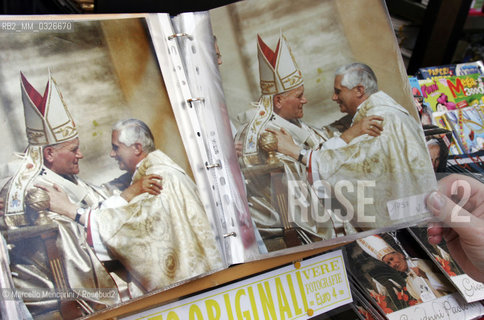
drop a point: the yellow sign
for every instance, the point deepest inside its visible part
(299, 291)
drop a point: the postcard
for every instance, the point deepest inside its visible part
(399, 278)
(470, 289)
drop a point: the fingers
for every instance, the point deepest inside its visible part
(40, 186)
(435, 233)
(154, 185)
(371, 125)
(464, 190)
(271, 130)
(279, 132)
(454, 215)
(376, 126)
(374, 130)
(49, 189)
(377, 118)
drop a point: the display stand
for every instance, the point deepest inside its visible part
(234, 273)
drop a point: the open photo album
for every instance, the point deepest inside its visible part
(143, 151)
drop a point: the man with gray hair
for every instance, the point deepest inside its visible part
(390, 166)
(159, 237)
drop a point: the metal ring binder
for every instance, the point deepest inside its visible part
(212, 165)
(177, 35)
(196, 100)
(231, 234)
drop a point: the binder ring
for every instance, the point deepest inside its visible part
(178, 35)
(212, 165)
(196, 100)
(231, 234)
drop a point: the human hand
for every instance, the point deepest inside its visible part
(460, 207)
(285, 143)
(371, 126)
(150, 183)
(1, 206)
(238, 149)
(59, 201)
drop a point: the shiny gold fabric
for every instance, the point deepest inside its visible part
(165, 238)
(397, 161)
(30, 265)
(306, 209)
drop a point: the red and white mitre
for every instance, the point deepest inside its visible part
(47, 122)
(278, 73)
(47, 119)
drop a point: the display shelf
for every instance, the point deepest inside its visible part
(233, 273)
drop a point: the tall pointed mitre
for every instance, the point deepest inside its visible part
(47, 122)
(47, 118)
(278, 70)
(278, 73)
(375, 246)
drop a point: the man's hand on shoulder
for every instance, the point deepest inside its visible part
(371, 126)
(150, 184)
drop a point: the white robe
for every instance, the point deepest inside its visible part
(30, 265)
(397, 162)
(304, 211)
(160, 239)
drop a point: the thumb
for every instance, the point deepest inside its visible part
(452, 214)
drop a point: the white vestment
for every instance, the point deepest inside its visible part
(396, 162)
(303, 211)
(160, 239)
(32, 265)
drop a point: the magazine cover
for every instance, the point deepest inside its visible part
(423, 108)
(469, 68)
(285, 105)
(450, 93)
(438, 142)
(470, 289)
(450, 70)
(436, 72)
(395, 273)
(455, 146)
(467, 124)
(101, 205)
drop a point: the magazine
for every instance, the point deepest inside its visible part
(450, 70)
(450, 93)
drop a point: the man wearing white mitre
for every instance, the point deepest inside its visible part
(422, 283)
(376, 168)
(49, 251)
(281, 107)
(160, 238)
